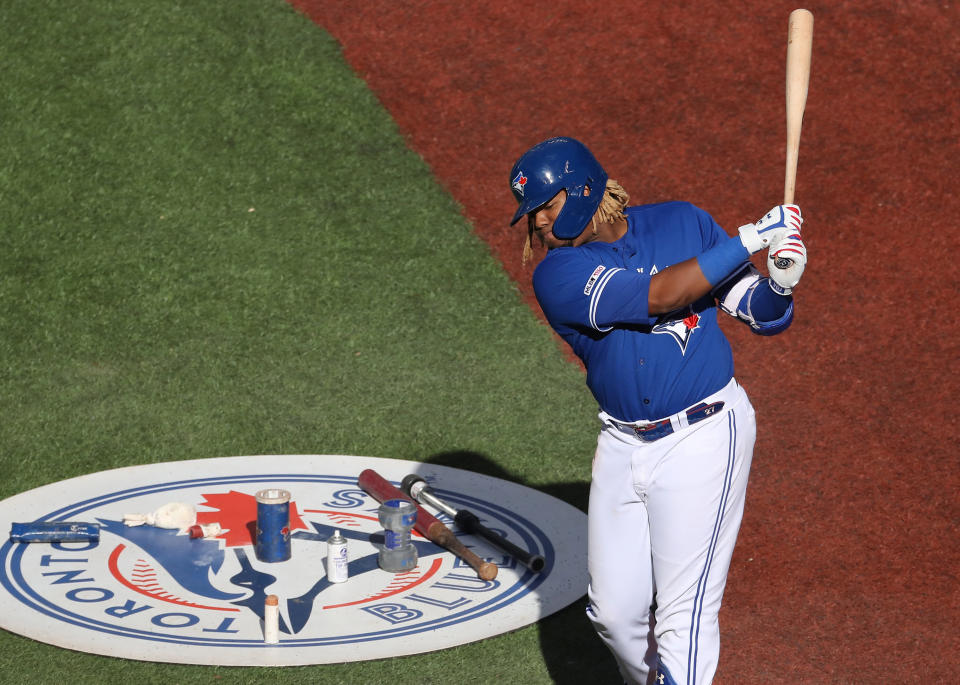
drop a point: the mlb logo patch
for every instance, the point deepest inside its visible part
(519, 182)
(593, 279)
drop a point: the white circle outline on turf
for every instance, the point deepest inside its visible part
(526, 582)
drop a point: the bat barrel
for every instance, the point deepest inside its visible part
(799, 50)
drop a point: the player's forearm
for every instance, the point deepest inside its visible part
(686, 282)
(677, 286)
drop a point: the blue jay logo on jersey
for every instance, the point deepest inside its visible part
(519, 182)
(680, 329)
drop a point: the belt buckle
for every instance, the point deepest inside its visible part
(640, 430)
(643, 431)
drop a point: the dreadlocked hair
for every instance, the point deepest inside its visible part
(611, 207)
(614, 201)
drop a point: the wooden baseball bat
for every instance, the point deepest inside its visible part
(799, 49)
(427, 525)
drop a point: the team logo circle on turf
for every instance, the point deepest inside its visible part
(159, 594)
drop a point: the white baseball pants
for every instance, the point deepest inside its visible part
(663, 521)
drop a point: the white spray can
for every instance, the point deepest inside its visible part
(337, 558)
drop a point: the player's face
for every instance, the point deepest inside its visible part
(543, 218)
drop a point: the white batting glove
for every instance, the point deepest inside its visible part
(786, 261)
(778, 223)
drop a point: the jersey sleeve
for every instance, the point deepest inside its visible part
(577, 292)
(711, 233)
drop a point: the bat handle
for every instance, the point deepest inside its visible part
(443, 536)
(469, 522)
(485, 569)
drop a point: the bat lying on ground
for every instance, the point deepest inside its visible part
(427, 525)
(417, 488)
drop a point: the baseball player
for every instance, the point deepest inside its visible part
(635, 291)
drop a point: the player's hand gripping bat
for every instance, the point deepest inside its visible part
(427, 525)
(799, 49)
(417, 487)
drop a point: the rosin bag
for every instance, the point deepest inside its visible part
(54, 531)
(175, 515)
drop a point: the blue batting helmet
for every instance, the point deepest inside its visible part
(554, 165)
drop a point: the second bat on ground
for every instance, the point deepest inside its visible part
(467, 521)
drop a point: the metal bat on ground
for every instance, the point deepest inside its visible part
(417, 487)
(427, 525)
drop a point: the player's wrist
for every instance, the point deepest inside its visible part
(750, 238)
(779, 222)
(779, 289)
(721, 260)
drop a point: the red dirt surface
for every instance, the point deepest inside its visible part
(846, 567)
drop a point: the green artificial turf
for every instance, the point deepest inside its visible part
(214, 242)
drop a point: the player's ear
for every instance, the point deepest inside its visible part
(586, 191)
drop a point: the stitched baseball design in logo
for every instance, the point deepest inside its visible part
(154, 593)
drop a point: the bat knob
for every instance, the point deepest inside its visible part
(783, 263)
(487, 571)
(409, 481)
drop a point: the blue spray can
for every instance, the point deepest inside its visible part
(273, 525)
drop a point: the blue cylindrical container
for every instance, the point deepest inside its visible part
(273, 525)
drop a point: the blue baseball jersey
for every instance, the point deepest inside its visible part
(640, 367)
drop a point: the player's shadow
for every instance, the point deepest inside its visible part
(571, 649)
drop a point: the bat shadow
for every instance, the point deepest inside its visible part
(571, 650)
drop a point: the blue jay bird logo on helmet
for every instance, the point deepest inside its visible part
(518, 182)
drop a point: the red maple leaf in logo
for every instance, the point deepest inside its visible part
(237, 512)
(691, 321)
